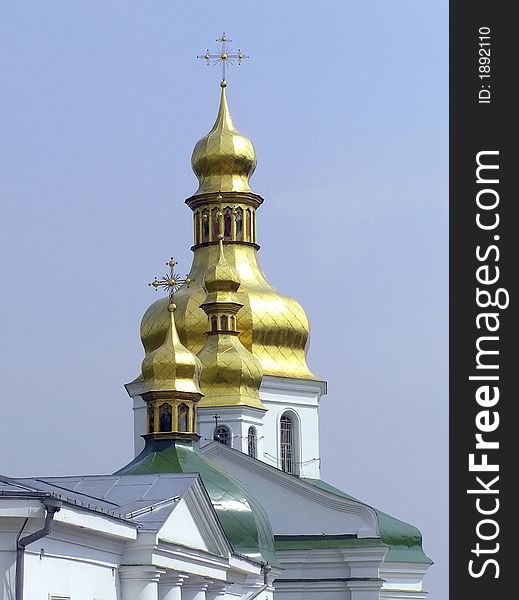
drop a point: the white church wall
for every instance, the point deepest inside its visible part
(8, 534)
(288, 502)
(299, 398)
(238, 419)
(50, 575)
(139, 423)
(72, 561)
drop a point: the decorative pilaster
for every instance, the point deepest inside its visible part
(194, 589)
(364, 589)
(216, 590)
(139, 582)
(170, 586)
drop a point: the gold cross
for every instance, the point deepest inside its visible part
(171, 282)
(224, 55)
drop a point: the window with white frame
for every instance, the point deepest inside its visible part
(252, 443)
(287, 443)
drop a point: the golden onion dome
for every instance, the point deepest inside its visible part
(231, 375)
(170, 366)
(221, 277)
(224, 159)
(271, 325)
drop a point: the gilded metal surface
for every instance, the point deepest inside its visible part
(224, 159)
(231, 375)
(169, 365)
(271, 325)
(221, 277)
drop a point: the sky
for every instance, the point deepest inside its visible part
(346, 104)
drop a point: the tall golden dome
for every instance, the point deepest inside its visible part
(272, 326)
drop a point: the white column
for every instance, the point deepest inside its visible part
(194, 589)
(139, 582)
(216, 591)
(170, 586)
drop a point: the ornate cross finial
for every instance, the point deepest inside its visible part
(224, 56)
(171, 282)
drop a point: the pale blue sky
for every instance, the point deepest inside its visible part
(346, 103)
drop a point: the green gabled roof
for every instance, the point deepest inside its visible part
(243, 519)
(404, 540)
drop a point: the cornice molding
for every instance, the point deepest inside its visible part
(273, 384)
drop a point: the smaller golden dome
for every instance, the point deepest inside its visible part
(224, 159)
(171, 367)
(231, 375)
(221, 278)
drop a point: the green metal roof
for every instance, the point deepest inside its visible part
(404, 540)
(317, 542)
(245, 523)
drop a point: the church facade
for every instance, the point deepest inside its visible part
(224, 497)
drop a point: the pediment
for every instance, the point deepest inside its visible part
(193, 523)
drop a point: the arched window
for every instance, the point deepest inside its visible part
(227, 216)
(197, 227)
(232, 323)
(239, 224)
(151, 418)
(216, 223)
(252, 442)
(183, 413)
(164, 417)
(223, 322)
(214, 323)
(205, 225)
(287, 444)
(222, 434)
(247, 226)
